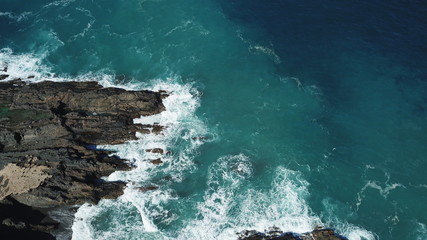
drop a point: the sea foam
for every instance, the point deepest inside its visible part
(24, 66)
(230, 207)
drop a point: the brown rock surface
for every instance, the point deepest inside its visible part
(16, 179)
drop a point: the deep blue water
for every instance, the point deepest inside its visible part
(283, 113)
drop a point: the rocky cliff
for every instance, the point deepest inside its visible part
(48, 131)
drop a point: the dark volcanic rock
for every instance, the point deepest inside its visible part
(155, 150)
(3, 76)
(19, 221)
(48, 132)
(149, 188)
(277, 234)
(156, 161)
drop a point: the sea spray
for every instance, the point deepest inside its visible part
(24, 66)
(225, 176)
(229, 206)
(232, 205)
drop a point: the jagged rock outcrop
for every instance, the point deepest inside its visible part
(48, 134)
(276, 234)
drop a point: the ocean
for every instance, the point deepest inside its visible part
(294, 114)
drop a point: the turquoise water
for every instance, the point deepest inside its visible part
(287, 114)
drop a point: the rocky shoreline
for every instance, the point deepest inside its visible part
(48, 160)
(49, 164)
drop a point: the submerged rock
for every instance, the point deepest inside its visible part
(149, 188)
(3, 76)
(156, 161)
(155, 150)
(48, 134)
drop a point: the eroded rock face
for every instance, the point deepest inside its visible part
(48, 134)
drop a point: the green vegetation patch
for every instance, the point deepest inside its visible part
(17, 116)
(4, 111)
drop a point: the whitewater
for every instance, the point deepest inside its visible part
(285, 115)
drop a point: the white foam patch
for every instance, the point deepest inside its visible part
(420, 231)
(110, 219)
(283, 205)
(88, 26)
(62, 3)
(229, 208)
(24, 66)
(383, 188)
(224, 178)
(14, 16)
(29, 67)
(352, 232)
(267, 51)
(356, 233)
(384, 191)
(182, 27)
(84, 230)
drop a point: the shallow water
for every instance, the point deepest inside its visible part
(292, 114)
